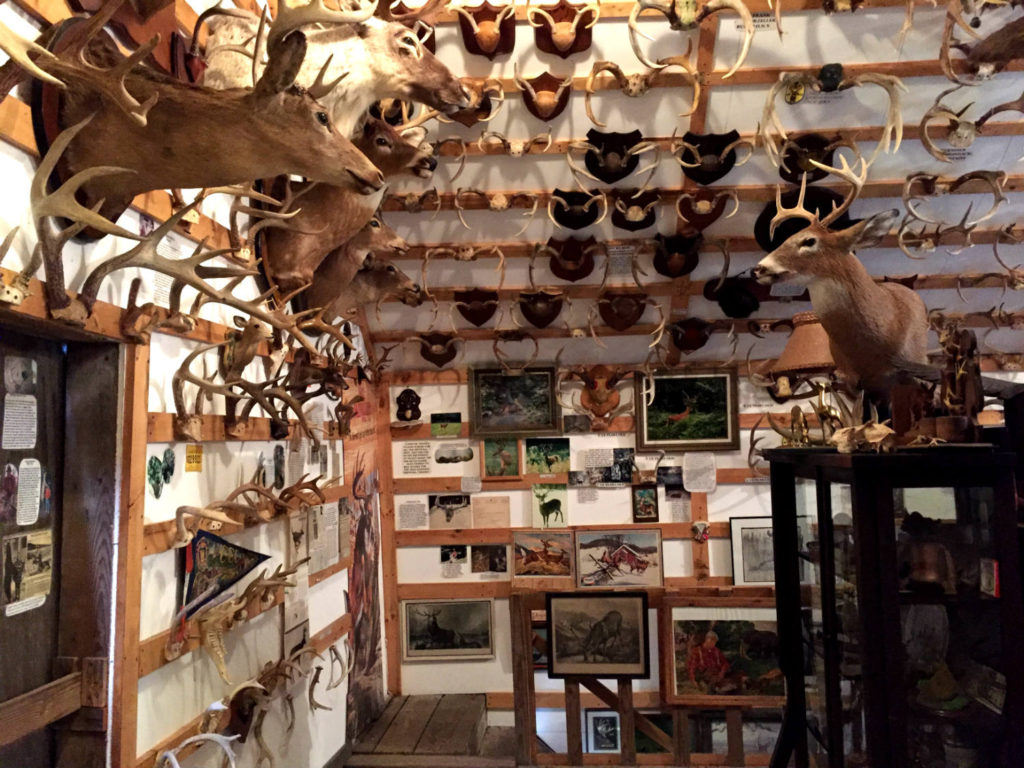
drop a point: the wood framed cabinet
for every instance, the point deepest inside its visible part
(901, 626)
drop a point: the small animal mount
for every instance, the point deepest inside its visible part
(829, 78)
(611, 157)
(486, 98)
(640, 83)
(545, 96)
(700, 209)
(408, 406)
(711, 155)
(487, 30)
(577, 210)
(601, 397)
(515, 147)
(684, 15)
(985, 58)
(920, 187)
(498, 202)
(565, 29)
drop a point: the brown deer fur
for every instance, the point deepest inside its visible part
(871, 326)
(330, 216)
(198, 137)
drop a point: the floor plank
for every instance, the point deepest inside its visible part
(405, 730)
(369, 740)
(456, 726)
(499, 741)
(429, 761)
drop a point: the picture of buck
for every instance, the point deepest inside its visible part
(549, 503)
(602, 634)
(451, 510)
(540, 553)
(447, 629)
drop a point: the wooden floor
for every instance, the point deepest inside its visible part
(449, 731)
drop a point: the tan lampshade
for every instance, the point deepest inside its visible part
(807, 349)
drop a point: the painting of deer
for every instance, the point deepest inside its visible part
(603, 634)
(447, 629)
(542, 553)
(549, 501)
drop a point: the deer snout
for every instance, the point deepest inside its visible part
(369, 184)
(413, 297)
(767, 271)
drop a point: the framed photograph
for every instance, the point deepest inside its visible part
(598, 634)
(753, 554)
(712, 655)
(645, 503)
(447, 630)
(541, 553)
(694, 410)
(501, 458)
(504, 405)
(602, 729)
(626, 558)
(547, 455)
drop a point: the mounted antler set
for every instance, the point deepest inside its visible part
(920, 187)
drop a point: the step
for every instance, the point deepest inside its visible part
(456, 726)
(499, 741)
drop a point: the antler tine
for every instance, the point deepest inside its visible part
(110, 82)
(319, 89)
(797, 211)
(634, 15)
(748, 27)
(19, 48)
(1017, 105)
(846, 173)
(683, 62)
(598, 68)
(62, 202)
(292, 15)
(486, 136)
(892, 134)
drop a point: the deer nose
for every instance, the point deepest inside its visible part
(368, 184)
(430, 163)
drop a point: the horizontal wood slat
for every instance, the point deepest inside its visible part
(427, 538)
(38, 708)
(709, 589)
(331, 570)
(409, 485)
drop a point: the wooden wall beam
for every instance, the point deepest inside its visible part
(388, 555)
(38, 708)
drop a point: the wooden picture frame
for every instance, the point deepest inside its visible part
(573, 623)
(695, 410)
(447, 630)
(625, 558)
(506, 405)
(749, 537)
(702, 671)
(542, 553)
(602, 728)
(645, 502)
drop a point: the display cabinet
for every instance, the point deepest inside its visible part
(901, 628)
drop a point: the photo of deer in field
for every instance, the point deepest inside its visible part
(542, 553)
(447, 630)
(691, 411)
(603, 634)
(618, 558)
(548, 455)
(550, 503)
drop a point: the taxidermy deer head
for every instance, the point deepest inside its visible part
(487, 30)
(601, 397)
(871, 326)
(564, 29)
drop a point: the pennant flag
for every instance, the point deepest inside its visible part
(215, 563)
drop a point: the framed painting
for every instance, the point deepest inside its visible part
(506, 405)
(717, 656)
(598, 634)
(625, 558)
(645, 503)
(694, 410)
(753, 554)
(541, 553)
(447, 630)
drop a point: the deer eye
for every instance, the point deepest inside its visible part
(375, 224)
(382, 142)
(391, 270)
(323, 119)
(809, 242)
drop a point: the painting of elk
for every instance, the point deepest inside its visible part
(619, 558)
(604, 634)
(447, 630)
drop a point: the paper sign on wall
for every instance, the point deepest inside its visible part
(30, 479)
(194, 457)
(699, 472)
(20, 422)
(28, 568)
(416, 457)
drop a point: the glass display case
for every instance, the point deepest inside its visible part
(901, 627)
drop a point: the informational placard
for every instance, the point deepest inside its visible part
(412, 514)
(194, 457)
(296, 600)
(323, 537)
(453, 560)
(27, 565)
(471, 484)
(416, 457)
(491, 511)
(700, 472)
(30, 480)
(20, 422)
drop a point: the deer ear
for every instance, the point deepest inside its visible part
(285, 61)
(368, 261)
(869, 233)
